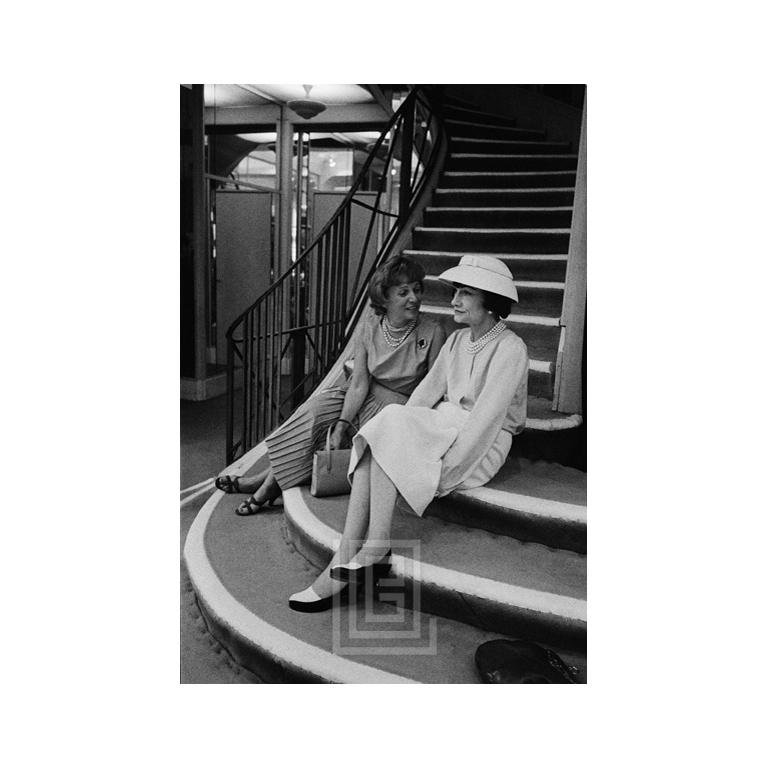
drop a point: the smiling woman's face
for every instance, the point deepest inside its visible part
(403, 302)
(468, 306)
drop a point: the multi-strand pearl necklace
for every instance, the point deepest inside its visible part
(473, 347)
(396, 341)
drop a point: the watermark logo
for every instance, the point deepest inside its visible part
(383, 614)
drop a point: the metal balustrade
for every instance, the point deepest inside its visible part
(284, 344)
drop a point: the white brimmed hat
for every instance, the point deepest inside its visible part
(484, 272)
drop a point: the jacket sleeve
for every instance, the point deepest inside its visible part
(506, 370)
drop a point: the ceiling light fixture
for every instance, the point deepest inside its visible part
(306, 108)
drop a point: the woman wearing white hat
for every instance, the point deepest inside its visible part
(454, 432)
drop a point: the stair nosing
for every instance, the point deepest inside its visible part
(499, 230)
(489, 154)
(510, 595)
(499, 208)
(491, 125)
(553, 322)
(539, 284)
(465, 190)
(511, 141)
(520, 256)
(507, 173)
(530, 505)
(274, 642)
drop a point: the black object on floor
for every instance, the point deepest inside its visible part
(519, 661)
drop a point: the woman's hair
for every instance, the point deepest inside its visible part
(398, 270)
(499, 305)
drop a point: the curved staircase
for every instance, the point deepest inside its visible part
(508, 559)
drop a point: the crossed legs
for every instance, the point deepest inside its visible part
(369, 519)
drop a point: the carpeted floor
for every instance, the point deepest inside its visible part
(203, 659)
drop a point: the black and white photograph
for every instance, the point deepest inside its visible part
(383, 383)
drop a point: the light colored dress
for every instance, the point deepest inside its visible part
(395, 373)
(457, 427)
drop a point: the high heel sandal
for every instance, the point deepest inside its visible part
(228, 484)
(354, 573)
(250, 506)
(308, 601)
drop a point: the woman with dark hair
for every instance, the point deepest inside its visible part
(454, 432)
(393, 350)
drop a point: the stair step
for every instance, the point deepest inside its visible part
(531, 501)
(244, 600)
(456, 112)
(507, 146)
(540, 334)
(461, 161)
(507, 179)
(515, 587)
(499, 216)
(479, 129)
(539, 267)
(488, 197)
(491, 240)
(535, 298)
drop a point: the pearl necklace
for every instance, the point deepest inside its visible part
(473, 347)
(395, 341)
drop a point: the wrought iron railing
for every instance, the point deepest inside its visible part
(284, 344)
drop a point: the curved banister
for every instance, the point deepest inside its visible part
(304, 319)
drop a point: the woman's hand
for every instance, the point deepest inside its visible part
(337, 436)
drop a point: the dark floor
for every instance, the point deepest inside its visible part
(203, 659)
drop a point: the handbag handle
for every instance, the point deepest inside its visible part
(328, 451)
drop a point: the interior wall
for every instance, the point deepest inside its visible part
(243, 256)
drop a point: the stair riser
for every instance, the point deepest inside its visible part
(512, 163)
(541, 219)
(564, 447)
(532, 301)
(491, 242)
(503, 197)
(522, 269)
(511, 620)
(559, 534)
(493, 132)
(526, 181)
(266, 666)
(541, 384)
(541, 340)
(509, 147)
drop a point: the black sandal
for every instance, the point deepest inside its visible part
(250, 506)
(228, 484)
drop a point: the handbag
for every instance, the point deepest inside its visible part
(329, 470)
(519, 661)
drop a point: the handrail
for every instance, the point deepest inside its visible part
(289, 338)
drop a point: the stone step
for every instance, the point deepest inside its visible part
(244, 569)
(491, 240)
(470, 198)
(539, 217)
(461, 161)
(535, 298)
(540, 334)
(528, 500)
(479, 129)
(507, 179)
(466, 574)
(506, 146)
(524, 266)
